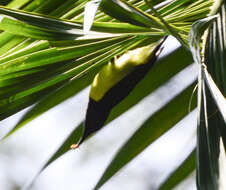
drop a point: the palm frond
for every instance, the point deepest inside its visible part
(46, 58)
(180, 173)
(211, 119)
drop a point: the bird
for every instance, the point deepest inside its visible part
(114, 82)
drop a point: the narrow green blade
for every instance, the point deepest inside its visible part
(177, 176)
(209, 123)
(215, 58)
(152, 129)
(17, 27)
(126, 12)
(143, 89)
(207, 144)
(216, 94)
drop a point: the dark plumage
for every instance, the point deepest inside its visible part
(98, 111)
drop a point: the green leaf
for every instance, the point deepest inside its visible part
(28, 49)
(211, 131)
(216, 94)
(189, 11)
(24, 102)
(88, 64)
(20, 28)
(46, 7)
(210, 121)
(132, 99)
(195, 35)
(170, 29)
(142, 89)
(19, 93)
(39, 6)
(172, 6)
(207, 145)
(55, 55)
(15, 4)
(126, 12)
(54, 98)
(68, 8)
(177, 176)
(153, 128)
(214, 58)
(40, 27)
(13, 42)
(118, 27)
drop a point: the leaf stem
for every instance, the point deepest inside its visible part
(170, 29)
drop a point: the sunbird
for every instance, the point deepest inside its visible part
(114, 82)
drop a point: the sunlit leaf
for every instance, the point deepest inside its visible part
(142, 89)
(49, 72)
(125, 12)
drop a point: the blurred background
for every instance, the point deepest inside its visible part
(22, 154)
